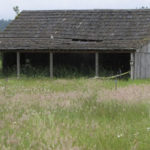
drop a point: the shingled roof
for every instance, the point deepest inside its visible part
(77, 30)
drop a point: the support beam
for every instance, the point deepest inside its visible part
(51, 64)
(2, 57)
(18, 64)
(96, 64)
(132, 65)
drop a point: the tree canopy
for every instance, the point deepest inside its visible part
(3, 24)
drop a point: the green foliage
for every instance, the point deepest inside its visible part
(4, 24)
(66, 71)
(16, 10)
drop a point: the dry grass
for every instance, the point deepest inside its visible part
(130, 93)
(74, 114)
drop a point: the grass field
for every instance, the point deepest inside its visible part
(74, 114)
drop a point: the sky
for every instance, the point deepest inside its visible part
(6, 6)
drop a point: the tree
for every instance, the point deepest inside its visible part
(16, 10)
(144, 7)
(3, 24)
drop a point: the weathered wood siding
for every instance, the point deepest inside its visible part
(142, 63)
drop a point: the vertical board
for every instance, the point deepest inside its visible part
(132, 59)
(147, 65)
(51, 64)
(18, 64)
(96, 64)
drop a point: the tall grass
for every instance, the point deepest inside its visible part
(84, 114)
(59, 72)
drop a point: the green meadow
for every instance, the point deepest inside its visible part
(74, 114)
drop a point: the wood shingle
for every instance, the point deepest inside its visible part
(77, 29)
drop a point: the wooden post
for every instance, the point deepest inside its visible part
(2, 56)
(96, 64)
(18, 64)
(132, 65)
(51, 64)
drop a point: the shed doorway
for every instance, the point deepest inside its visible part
(113, 63)
(73, 64)
(68, 64)
(83, 64)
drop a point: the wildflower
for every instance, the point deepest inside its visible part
(148, 129)
(119, 135)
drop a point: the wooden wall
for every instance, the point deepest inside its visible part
(142, 63)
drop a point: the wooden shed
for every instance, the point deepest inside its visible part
(93, 32)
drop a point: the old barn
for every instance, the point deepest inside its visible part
(118, 39)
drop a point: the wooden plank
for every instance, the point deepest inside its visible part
(137, 66)
(132, 65)
(18, 64)
(51, 64)
(96, 64)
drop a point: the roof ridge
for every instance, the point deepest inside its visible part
(86, 10)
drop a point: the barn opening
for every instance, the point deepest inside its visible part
(114, 63)
(73, 64)
(67, 64)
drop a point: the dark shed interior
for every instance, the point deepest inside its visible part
(68, 64)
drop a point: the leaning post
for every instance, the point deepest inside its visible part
(96, 64)
(132, 66)
(18, 64)
(51, 64)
